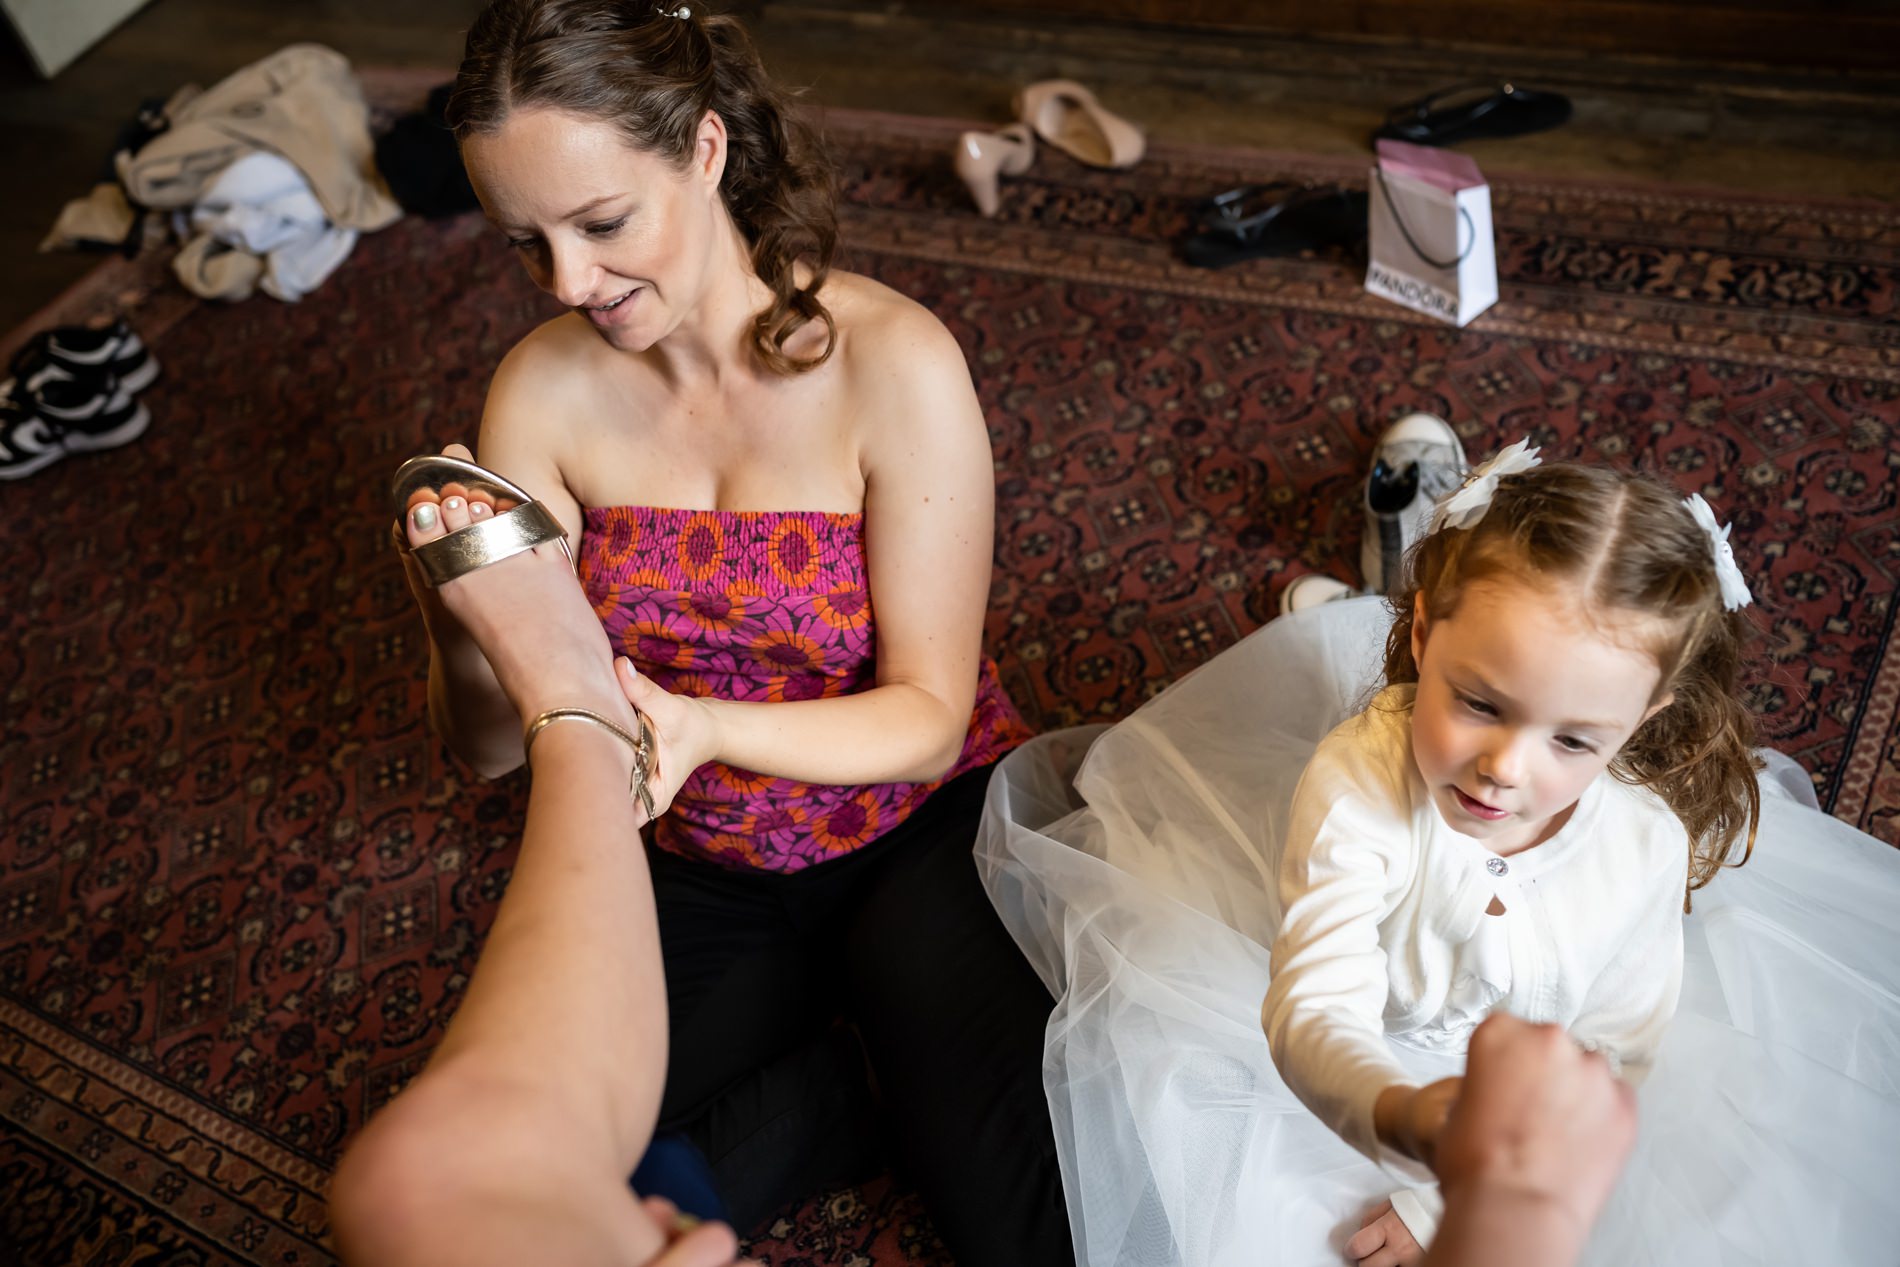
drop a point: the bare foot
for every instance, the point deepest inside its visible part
(527, 614)
(442, 627)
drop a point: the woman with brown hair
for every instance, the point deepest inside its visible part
(778, 487)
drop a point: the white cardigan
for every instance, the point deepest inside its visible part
(1386, 937)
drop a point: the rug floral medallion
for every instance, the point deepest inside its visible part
(242, 886)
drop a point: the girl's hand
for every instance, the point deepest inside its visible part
(685, 732)
(1410, 1118)
(1384, 1241)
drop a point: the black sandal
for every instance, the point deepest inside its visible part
(1280, 218)
(1473, 111)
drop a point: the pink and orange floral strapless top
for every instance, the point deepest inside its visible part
(761, 606)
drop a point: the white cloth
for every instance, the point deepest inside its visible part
(295, 269)
(302, 102)
(223, 156)
(262, 205)
(261, 202)
(1143, 886)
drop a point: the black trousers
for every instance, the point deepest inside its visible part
(785, 990)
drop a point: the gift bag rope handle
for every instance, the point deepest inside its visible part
(1471, 230)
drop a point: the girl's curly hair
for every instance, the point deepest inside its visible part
(1626, 543)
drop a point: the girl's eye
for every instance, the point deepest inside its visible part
(520, 244)
(1570, 743)
(606, 228)
(1478, 706)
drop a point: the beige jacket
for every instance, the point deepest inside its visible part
(302, 102)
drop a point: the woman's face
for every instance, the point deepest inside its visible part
(619, 234)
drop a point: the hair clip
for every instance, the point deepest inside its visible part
(1728, 575)
(682, 13)
(1464, 508)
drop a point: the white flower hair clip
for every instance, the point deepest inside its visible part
(1728, 576)
(683, 13)
(1464, 508)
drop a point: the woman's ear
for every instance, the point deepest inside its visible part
(709, 149)
(1420, 624)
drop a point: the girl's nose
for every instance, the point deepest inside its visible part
(1503, 763)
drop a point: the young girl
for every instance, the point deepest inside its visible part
(1556, 764)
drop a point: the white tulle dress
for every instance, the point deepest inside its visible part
(1137, 866)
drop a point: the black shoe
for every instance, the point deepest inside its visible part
(27, 441)
(96, 412)
(1473, 112)
(1258, 221)
(85, 353)
(55, 413)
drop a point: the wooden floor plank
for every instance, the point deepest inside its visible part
(1749, 128)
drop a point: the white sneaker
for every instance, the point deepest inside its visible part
(1418, 460)
(1311, 590)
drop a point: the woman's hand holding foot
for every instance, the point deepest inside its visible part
(685, 732)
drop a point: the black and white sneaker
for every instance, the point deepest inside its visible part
(55, 413)
(1419, 459)
(27, 441)
(85, 353)
(94, 411)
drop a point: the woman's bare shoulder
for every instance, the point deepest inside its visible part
(539, 393)
(908, 382)
(549, 360)
(889, 338)
(553, 373)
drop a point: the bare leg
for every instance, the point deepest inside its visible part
(514, 1144)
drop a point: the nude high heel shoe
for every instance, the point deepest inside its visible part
(983, 156)
(1068, 116)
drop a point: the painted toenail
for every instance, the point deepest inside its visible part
(423, 517)
(453, 503)
(476, 509)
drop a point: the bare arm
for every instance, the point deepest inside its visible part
(1490, 1224)
(579, 891)
(515, 1143)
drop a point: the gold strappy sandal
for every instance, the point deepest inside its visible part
(490, 540)
(501, 536)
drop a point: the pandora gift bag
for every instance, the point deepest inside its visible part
(1431, 244)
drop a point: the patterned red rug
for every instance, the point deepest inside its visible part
(241, 887)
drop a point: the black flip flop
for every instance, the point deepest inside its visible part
(1470, 112)
(1223, 210)
(1282, 218)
